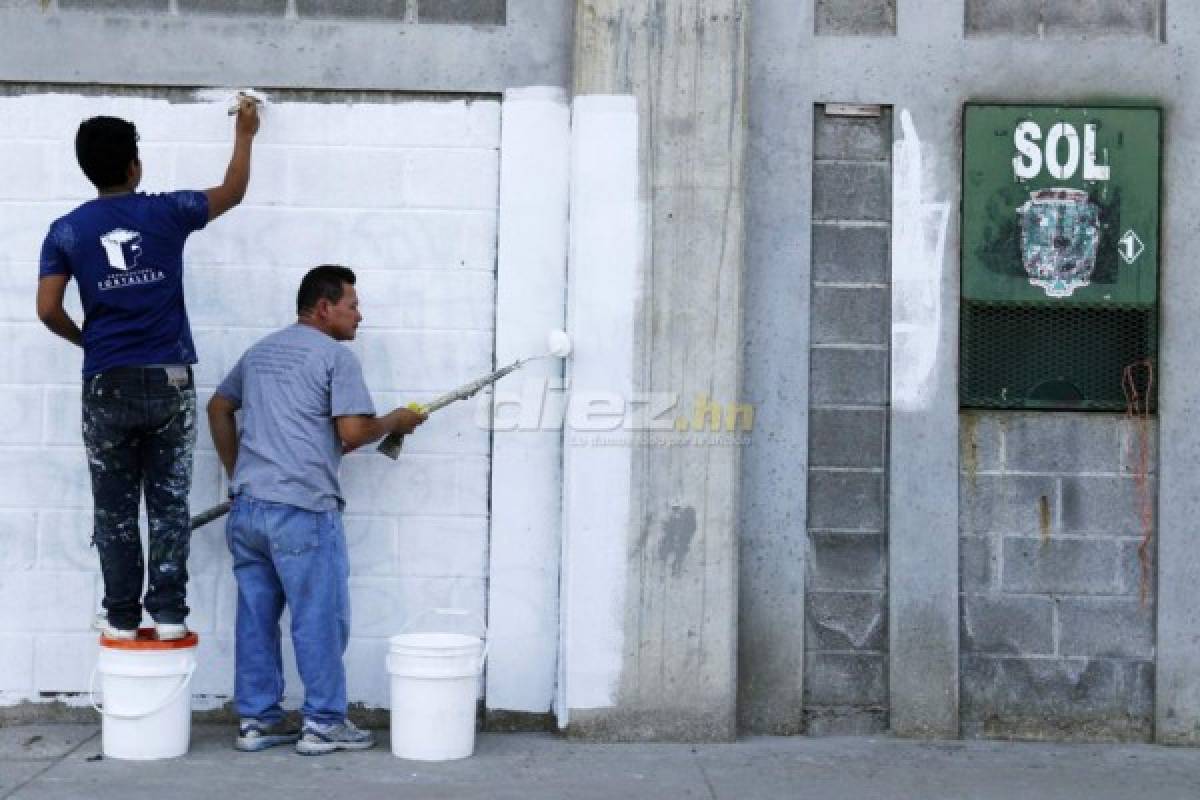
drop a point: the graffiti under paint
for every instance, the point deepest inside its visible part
(1060, 235)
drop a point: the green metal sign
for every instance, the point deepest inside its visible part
(1060, 205)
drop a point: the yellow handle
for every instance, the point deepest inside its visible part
(417, 407)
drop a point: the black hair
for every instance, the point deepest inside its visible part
(323, 282)
(104, 147)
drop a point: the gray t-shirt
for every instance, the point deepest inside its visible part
(290, 386)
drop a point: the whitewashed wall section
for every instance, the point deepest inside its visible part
(405, 193)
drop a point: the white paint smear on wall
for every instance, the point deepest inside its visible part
(603, 285)
(918, 247)
(403, 192)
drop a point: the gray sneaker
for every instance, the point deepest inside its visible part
(318, 739)
(254, 735)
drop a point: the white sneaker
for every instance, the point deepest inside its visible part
(109, 632)
(170, 631)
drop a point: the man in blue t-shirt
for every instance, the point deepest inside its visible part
(303, 404)
(125, 251)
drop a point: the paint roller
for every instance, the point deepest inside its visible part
(558, 345)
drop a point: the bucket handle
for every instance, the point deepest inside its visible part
(456, 612)
(184, 681)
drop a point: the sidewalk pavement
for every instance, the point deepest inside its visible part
(59, 761)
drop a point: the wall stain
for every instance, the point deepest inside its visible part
(677, 533)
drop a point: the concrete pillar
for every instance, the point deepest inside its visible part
(684, 62)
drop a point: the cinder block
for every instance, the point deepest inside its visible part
(48, 478)
(31, 172)
(473, 12)
(1129, 568)
(1105, 505)
(844, 438)
(852, 191)
(64, 541)
(856, 17)
(387, 606)
(64, 662)
(201, 165)
(1062, 443)
(209, 554)
(20, 414)
(850, 254)
(1075, 566)
(845, 500)
(18, 539)
(371, 544)
(976, 563)
(202, 602)
(430, 547)
(262, 8)
(840, 376)
(417, 361)
(63, 415)
(1021, 17)
(845, 561)
(845, 721)
(367, 678)
(1134, 435)
(262, 297)
(114, 5)
(850, 316)
(214, 666)
(412, 299)
(428, 485)
(1001, 624)
(36, 602)
(18, 287)
(1108, 627)
(366, 178)
(468, 179)
(376, 9)
(1018, 691)
(846, 621)
(350, 120)
(845, 679)
(32, 355)
(1007, 504)
(386, 239)
(981, 448)
(853, 138)
(16, 663)
(1122, 17)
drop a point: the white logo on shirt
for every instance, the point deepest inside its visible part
(123, 248)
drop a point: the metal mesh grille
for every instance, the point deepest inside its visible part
(1064, 358)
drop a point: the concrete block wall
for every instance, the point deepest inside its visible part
(846, 602)
(460, 12)
(1055, 642)
(405, 192)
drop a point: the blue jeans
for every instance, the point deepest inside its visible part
(139, 430)
(284, 554)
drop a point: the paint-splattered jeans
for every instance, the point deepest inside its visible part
(140, 431)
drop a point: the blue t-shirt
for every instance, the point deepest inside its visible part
(290, 386)
(125, 253)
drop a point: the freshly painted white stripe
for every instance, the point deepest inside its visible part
(603, 287)
(527, 458)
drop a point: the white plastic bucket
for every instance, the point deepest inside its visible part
(435, 688)
(147, 711)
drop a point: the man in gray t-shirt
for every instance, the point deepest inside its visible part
(303, 403)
